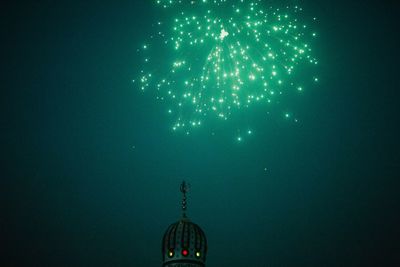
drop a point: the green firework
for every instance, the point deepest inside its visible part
(224, 56)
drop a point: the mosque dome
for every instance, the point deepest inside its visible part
(184, 243)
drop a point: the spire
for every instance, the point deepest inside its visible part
(184, 189)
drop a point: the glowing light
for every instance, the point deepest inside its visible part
(185, 252)
(198, 254)
(220, 57)
(223, 34)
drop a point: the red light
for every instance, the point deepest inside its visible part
(185, 252)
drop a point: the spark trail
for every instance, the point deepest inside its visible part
(215, 58)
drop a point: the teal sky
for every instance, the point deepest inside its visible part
(91, 169)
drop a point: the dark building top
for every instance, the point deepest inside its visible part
(184, 243)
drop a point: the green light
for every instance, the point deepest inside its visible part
(224, 64)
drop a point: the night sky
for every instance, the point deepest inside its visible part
(91, 169)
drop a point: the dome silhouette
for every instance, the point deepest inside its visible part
(184, 242)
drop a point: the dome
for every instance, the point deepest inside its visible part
(184, 243)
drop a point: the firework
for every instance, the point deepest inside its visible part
(215, 58)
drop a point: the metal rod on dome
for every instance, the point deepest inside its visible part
(184, 189)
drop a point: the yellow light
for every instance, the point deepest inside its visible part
(198, 254)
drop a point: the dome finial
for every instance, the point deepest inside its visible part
(184, 189)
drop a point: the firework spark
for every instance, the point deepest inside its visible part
(224, 56)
